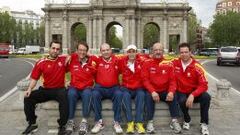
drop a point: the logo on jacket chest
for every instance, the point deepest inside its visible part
(189, 74)
(60, 64)
(153, 70)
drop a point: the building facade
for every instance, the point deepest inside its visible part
(228, 5)
(98, 15)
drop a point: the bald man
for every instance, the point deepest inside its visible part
(107, 87)
(159, 79)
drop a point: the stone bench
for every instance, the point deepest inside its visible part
(161, 117)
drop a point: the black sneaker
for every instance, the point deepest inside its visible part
(62, 130)
(30, 129)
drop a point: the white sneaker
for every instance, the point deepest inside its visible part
(150, 127)
(175, 126)
(97, 127)
(186, 125)
(117, 127)
(70, 126)
(204, 129)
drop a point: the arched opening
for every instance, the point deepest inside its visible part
(78, 34)
(151, 35)
(114, 36)
(174, 40)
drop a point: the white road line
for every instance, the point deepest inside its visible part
(215, 79)
(2, 98)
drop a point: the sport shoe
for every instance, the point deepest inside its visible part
(30, 129)
(130, 128)
(204, 129)
(97, 127)
(62, 130)
(83, 128)
(150, 127)
(70, 126)
(186, 125)
(117, 127)
(175, 126)
(140, 128)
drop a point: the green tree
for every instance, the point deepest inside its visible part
(151, 35)
(7, 27)
(79, 33)
(225, 29)
(41, 32)
(193, 25)
(113, 39)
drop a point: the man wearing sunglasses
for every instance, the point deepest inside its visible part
(52, 69)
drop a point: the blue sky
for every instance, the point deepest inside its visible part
(205, 9)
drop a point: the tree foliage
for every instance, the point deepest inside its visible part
(7, 27)
(113, 39)
(79, 33)
(225, 29)
(151, 35)
(192, 27)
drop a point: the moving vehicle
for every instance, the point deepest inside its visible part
(228, 54)
(21, 50)
(4, 50)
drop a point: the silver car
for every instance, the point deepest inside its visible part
(228, 54)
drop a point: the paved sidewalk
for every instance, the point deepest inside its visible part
(223, 120)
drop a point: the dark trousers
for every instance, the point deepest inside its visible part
(43, 95)
(150, 105)
(204, 100)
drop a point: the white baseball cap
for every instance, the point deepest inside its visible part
(131, 47)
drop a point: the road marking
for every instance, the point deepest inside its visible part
(214, 78)
(2, 98)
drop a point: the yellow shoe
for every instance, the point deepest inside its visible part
(140, 128)
(130, 128)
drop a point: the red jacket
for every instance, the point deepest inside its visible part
(107, 72)
(192, 80)
(158, 76)
(82, 76)
(131, 80)
(52, 71)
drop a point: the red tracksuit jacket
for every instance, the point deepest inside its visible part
(82, 76)
(158, 75)
(192, 80)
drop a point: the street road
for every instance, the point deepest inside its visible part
(229, 72)
(13, 70)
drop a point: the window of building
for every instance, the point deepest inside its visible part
(235, 10)
(223, 4)
(238, 3)
(229, 3)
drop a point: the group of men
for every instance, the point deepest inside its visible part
(146, 79)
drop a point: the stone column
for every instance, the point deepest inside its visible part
(65, 44)
(126, 31)
(100, 32)
(89, 33)
(139, 33)
(94, 40)
(165, 32)
(47, 29)
(185, 20)
(133, 30)
(223, 94)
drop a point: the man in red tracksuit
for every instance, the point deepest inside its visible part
(192, 86)
(82, 69)
(159, 79)
(53, 70)
(131, 66)
(107, 86)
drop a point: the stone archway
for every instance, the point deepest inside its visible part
(78, 34)
(132, 15)
(151, 34)
(108, 34)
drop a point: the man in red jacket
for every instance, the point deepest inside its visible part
(192, 86)
(107, 86)
(53, 70)
(82, 69)
(132, 87)
(159, 79)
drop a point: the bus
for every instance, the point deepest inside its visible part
(4, 50)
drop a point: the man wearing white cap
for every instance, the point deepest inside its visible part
(130, 67)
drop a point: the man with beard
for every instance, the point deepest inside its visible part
(53, 70)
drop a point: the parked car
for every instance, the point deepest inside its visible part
(228, 54)
(21, 50)
(208, 52)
